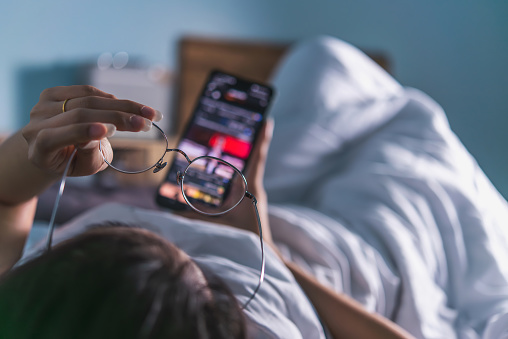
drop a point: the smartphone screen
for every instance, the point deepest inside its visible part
(225, 125)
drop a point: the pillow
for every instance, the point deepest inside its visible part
(328, 94)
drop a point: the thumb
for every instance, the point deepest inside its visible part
(256, 168)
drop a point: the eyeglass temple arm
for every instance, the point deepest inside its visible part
(262, 270)
(51, 226)
(160, 165)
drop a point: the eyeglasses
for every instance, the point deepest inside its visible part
(209, 185)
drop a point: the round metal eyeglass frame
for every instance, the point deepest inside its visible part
(180, 176)
(158, 166)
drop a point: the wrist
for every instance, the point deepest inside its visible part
(20, 179)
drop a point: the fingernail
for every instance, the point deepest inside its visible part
(147, 126)
(158, 116)
(91, 144)
(111, 130)
(150, 113)
(137, 121)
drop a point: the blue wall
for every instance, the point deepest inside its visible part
(455, 50)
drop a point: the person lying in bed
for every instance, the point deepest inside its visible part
(367, 195)
(118, 281)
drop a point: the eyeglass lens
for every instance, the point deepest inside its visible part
(137, 152)
(212, 186)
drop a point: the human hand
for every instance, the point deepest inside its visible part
(243, 216)
(88, 117)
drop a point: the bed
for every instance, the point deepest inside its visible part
(371, 192)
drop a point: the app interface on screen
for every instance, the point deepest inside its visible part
(227, 117)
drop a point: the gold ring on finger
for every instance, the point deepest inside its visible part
(63, 106)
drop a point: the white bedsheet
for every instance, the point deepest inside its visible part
(387, 203)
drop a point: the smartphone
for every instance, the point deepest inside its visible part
(225, 124)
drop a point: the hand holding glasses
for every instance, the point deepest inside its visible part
(188, 180)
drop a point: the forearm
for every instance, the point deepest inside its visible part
(15, 225)
(20, 183)
(344, 317)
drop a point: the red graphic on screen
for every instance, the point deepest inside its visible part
(231, 145)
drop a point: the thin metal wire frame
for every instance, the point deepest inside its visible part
(157, 166)
(49, 239)
(180, 178)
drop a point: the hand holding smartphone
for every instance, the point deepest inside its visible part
(225, 124)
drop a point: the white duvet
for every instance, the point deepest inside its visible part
(379, 198)
(370, 191)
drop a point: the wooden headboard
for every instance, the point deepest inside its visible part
(254, 60)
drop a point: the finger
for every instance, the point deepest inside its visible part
(102, 103)
(62, 93)
(90, 159)
(255, 170)
(53, 147)
(52, 140)
(123, 121)
(107, 151)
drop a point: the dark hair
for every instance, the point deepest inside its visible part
(115, 283)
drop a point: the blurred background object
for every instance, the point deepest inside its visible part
(149, 85)
(453, 50)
